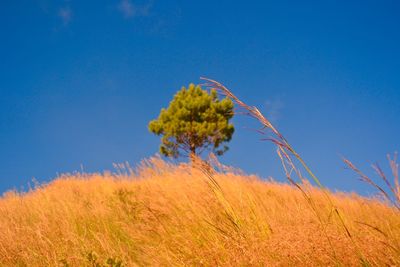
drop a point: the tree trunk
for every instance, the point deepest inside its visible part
(192, 154)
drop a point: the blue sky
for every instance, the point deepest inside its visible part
(79, 81)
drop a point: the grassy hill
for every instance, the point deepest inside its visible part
(176, 215)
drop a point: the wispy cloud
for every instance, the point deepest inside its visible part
(65, 13)
(273, 109)
(130, 10)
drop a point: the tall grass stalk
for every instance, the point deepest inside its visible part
(392, 195)
(285, 152)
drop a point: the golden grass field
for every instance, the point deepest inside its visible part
(175, 215)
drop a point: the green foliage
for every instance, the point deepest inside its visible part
(194, 121)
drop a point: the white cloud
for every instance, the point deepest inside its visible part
(130, 10)
(65, 13)
(273, 109)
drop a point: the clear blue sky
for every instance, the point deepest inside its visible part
(79, 80)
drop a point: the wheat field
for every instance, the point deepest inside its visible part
(164, 214)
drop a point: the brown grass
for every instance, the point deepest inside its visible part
(173, 215)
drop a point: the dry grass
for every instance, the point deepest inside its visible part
(184, 215)
(168, 215)
(292, 164)
(392, 194)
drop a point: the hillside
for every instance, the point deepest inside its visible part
(169, 215)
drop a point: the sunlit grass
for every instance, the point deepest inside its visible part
(190, 214)
(170, 215)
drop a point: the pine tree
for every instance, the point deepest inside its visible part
(195, 120)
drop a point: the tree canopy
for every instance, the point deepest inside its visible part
(195, 120)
